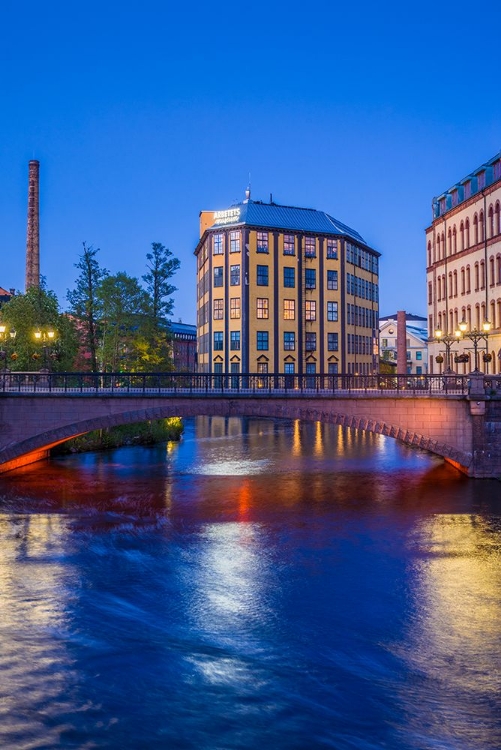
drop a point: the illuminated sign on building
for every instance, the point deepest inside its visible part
(230, 216)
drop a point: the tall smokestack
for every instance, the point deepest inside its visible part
(33, 229)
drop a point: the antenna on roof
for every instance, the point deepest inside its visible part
(248, 190)
(271, 197)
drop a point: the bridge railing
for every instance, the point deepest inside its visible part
(123, 383)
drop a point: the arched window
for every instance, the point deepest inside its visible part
(454, 240)
(481, 226)
(438, 247)
(497, 213)
(498, 265)
(429, 253)
(491, 271)
(461, 236)
(477, 317)
(449, 238)
(455, 283)
(482, 274)
(491, 222)
(451, 321)
(462, 281)
(439, 289)
(450, 284)
(477, 278)
(467, 233)
(475, 229)
(483, 316)
(468, 280)
(493, 314)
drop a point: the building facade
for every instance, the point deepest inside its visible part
(286, 290)
(463, 246)
(416, 339)
(184, 346)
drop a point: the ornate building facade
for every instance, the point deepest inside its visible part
(463, 246)
(284, 289)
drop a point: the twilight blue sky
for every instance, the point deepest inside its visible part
(144, 113)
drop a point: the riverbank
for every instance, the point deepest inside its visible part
(142, 433)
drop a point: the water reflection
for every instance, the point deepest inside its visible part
(263, 583)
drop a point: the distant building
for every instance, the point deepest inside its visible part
(184, 346)
(5, 295)
(463, 246)
(416, 342)
(285, 289)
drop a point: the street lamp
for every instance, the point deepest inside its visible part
(46, 337)
(7, 336)
(447, 339)
(475, 337)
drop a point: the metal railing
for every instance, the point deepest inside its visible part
(228, 384)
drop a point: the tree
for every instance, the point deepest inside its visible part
(161, 268)
(27, 313)
(125, 306)
(85, 301)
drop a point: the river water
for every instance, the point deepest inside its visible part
(262, 584)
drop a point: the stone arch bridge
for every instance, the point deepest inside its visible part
(456, 419)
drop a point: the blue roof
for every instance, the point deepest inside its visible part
(274, 216)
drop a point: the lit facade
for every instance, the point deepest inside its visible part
(464, 267)
(286, 290)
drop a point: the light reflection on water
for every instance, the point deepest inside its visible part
(270, 584)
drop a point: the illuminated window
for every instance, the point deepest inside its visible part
(235, 275)
(218, 276)
(331, 310)
(262, 242)
(234, 242)
(234, 307)
(289, 309)
(332, 280)
(218, 309)
(289, 341)
(309, 247)
(262, 275)
(310, 310)
(289, 277)
(218, 341)
(262, 310)
(262, 341)
(289, 244)
(218, 244)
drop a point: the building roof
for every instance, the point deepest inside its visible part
(182, 329)
(457, 194)
(275, 216)
(408, 317)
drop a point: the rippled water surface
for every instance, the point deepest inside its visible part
(260, 585)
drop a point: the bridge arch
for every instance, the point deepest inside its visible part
(406, 420)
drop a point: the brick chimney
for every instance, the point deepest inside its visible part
(401, 343)
(33, 229)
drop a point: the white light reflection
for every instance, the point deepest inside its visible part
(241, 467)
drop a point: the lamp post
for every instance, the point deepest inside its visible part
(47, 338)
(7, 336)
(476, 337)
(447, 340)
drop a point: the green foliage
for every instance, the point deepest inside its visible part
(86, 304)
(38, 309)
(143, 433)
(161, 268)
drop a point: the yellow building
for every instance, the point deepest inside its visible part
(284, 290)
(464, 272)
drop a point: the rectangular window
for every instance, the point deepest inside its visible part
(332, 342)
(332, 280)
(289, 309)
(262, 275)
(331, 310)
(289, 277)
(262, 341)
(262, 368)
(218, 309)
(332, 368)
(262, 309)
(310, 310)
(218, 276)
(310, 342)
(235, 275)
(419, 370)
(234, 242)
(309, 247)
(262, 242)
(235, 340)
(289, 341)
(332, 249)
(235, 308)
(419, 355)
(310, 278)
(218, 246)
(218, 341)
(289, 368)
(289, 248)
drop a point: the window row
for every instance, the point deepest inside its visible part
(263, 341)
(464, 238)
(361, 288)
(361, 316)
(263, 244)
(361, 258)
(358, 344)
(461, 283)
(263, 309)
